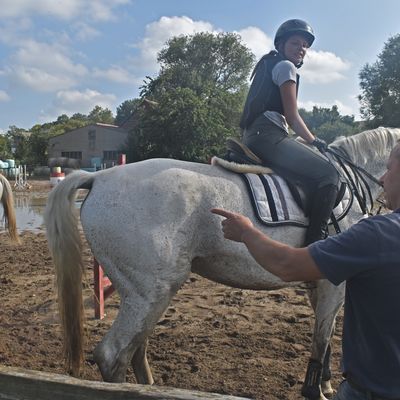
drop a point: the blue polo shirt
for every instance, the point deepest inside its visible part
(367, 257)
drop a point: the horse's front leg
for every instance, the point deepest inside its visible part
(326, 300)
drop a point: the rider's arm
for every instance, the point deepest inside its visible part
(286, 262)
(289, 101)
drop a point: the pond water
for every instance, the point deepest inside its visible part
(29, 210)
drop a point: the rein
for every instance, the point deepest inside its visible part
(356, 178)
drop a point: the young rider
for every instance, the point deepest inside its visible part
(271, 107)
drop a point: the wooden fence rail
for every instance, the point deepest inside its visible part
(21, 384)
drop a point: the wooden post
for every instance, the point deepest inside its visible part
(102, 289)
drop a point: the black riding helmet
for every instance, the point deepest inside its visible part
(293, 27)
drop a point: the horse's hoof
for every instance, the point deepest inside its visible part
(327, 389)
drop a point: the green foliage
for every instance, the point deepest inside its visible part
(380, 85)
(5, 147)
(101, 115)
(18, 140)
(202, 61)
(327, 123)
(38, 144)
(125, 110)
(183, 126)
(200, 90)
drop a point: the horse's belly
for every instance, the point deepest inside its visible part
(243, 273)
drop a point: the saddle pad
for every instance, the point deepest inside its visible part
(274, 203)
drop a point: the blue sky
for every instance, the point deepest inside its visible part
(66, 56)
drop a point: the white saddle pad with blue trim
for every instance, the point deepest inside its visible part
(275, 204)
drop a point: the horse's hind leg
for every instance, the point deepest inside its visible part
(141, 366)
(137, 317)
(326, 300)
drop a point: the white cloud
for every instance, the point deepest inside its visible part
(322, 67)
(44, 67)
(84, 32)
(74, 101)
(157, 33)
(63, 9)
(4, 96)
(115, 74)
(256, 40)
(11, 29)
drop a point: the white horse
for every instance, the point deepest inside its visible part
(149, 225)
(7, 200)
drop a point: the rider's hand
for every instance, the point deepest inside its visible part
(320, 144)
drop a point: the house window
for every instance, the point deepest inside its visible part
(111, 155)
(92, 139)
(72, 154)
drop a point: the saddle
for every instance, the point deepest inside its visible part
(239, 153)
(270, 192)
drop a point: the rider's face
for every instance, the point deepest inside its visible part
(391, 180)
(295, 49)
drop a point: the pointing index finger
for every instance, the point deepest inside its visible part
(222, 212)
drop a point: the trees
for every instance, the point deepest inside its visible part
(200, 90)
(5, 148)
(102, 115)
(327, 123)
(125, 110)
(182, 126)
(380, 85)
(18, 139)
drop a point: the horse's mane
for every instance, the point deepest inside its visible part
(368, 145)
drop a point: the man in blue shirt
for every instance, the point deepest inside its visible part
(367, 257)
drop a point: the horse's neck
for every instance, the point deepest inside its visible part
(375, 165)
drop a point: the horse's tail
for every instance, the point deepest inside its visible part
(65, 246)
(7, 199)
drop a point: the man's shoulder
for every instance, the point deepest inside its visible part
(385, 228)
(385, 218)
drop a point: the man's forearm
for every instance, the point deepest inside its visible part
(271, 255)
(286, 262)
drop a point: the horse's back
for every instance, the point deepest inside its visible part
(143, 201)
(165, 194)
(157, 185)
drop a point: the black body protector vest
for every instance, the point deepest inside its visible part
(263, 94)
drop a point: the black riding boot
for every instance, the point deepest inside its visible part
(322, 206)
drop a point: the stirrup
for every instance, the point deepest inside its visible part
(242, 152)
